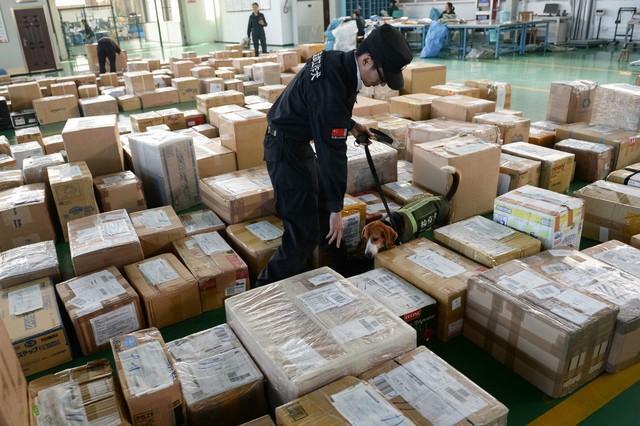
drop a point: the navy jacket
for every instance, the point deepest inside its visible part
(254, 27)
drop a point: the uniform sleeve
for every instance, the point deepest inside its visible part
(265, 21)
(249, 27)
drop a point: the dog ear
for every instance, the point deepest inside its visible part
(390, 236)
(365, 232)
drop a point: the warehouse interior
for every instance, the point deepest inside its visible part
(137, 213)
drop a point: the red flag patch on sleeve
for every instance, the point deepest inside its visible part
(338, 133)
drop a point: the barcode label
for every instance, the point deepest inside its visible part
(233, 377)
(356, 329)
(324, 298)
(382, 384)
(460, 395)
(555, 268)
(545, 292)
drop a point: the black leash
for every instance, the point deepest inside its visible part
(364, 140)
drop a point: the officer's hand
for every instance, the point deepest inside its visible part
(360, 129)
(335, 228)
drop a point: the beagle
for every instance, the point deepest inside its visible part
(405, 224)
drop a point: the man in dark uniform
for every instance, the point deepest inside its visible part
(255, 29)
(107, 49)
(310, 186)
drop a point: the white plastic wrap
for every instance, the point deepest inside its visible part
(359, 177)
(28, 263)
(35, 168)
(622, 98)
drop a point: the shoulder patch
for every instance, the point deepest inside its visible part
(316, 69)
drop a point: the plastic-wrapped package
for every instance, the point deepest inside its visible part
(556, 169)
(311, 329)
(405, 171)
(554, 336)
(35, 168)
(7, 162)
(200, 222)
(396, 127)
(594, 160)
(28, 263)
(403, 193)
(157, 229)
(512, 128)
(572, 101)
(497, 91)
(359, 176)
(622, 98)
(10, 179)
(5, 146)
(220, 382)
(122, 190)
(516, 172)
(585, 272)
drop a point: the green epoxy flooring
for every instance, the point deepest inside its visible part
(530, 77)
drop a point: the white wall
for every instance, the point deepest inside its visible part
(233, 25)
(12, 57)
(198, 18)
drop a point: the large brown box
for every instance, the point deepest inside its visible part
(25, 216)
(214, 159)
(267, 73)
(200, 222)
(173, 117)
(516, 172)
(138, 81)
(496, 91)
(460, 107)
(203, 71)
(571, 101)
(590, 272)
(56, 108)
(101, 305)
(103, 240)
(216, 112)
(140, 122)
(420, 76)
(65, 88)
(220, 383)
(627, 151)
(557, 167)
(256, 241)
(449, 89)
(443, 394)
(243, 133)
(159, 97)
(168, 291)
(30, 314)
(182, 68)
(437, 271)
(477, 160)
(148, 378)
(15, 409)
(188, 88)
(98, 106)
(104, 154)
(593, 160)
(486, 242)
(129, 102)
(157, 229)
(415, 106)
(219, 271)
(23, 94)
(512, 128)
(555, 337)
(210, 100)
(95, 396)
(122, 190)
(28, 263)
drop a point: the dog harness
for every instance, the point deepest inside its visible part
(422, 214)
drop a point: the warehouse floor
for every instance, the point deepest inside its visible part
(610, 399)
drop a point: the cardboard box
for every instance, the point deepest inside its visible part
(610, 97)
(496, 91)
(142, 65)
(88, 91)
(459, 107)
(216, 112)
(214, 159)
(449, 89)
(554, 219)
(556, 167)
(256, 241)
(188, 88)
(92, 388)
(173, 117)
(25, 216)
(101, 305)
(182, 68)
(53, 144)
(23, 94)
(516, 172)
(7, 162)
(307, 50)
(409, 303)
(159, 97)
(122, 190)
(5, 146)
(109, 79)
(194, 117)
(233, 84)
(443, 396)
(139, 356)
(139, 81)
(56, 108)
(512, 128)
(486, 242)
(591, 273)
(359, 177)
(347, 401)
(65, 88)
(396, 127)
(140, 122)
(271, 92)
(211, 85)
(477, 160)
(200, 222)
(251, 87)
(129, 102)
(571, 101)
(555, 337)
(366, 107)
(243, 133)
(437, 271)
(29, 134)
(374, 206)
(99, 105)
(202, 71)
(420, 76)
(625, 177)
(157, 229)
(34, 169)
(267, 73)
(28, 263)
(263, 107)
(593, 160)
(30, 314)
(103, 240)
(286, 78)
(542, 137)
(294, 364)
(219, 271)
(15, 410)
(166, 164)
(220, 382)
(224, 73)
(207, 130)
(104, 154)
(403, 193)
(25, 150)
(416, 106)
(210, 100)
(260, 421)
(168, 291)
(288, 60)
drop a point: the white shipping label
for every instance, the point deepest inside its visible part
(521, 282)
(89, 234)
(146, 368)
(70, 172)
(322, 279)
(368, 198)
(92, 289)
(626, 259)
(546, 291)
(114, 228)
(560, 252)
(158, 271)
(238, 186)
(25, 300)
(119, 321)
(154, 219)
(361, 405)
(356, 329)
(202, 220)
(351, 231)
(265, 231)
(208, 343)
(555, 268)
(211, 243)
(405, 191)
(580, 301)
(215, 87)
(488, 227)
(327, 297)
(113, 179)
(239, 287)
(99, 389)
(570, 314)
(379, 207)
(437, 264)
(301, 354)
(399, 297)
(57, 404)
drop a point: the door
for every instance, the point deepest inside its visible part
(34, 34)
(310, 29)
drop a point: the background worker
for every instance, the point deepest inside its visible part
(309, 186)
(107, 48)
(449, 14)
(392, 7)
(255, 30)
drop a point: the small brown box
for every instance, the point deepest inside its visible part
(98, 105)
(200, 222)
(449, 89)
(168, 291)
(109, 79)
(571, 101)
(188, 88)
(210, 100)
(459, 107)
(207, 130)
(193, 117)
(64, 88)
(53, 144)
(29, 134)
(224, 73)
(234, 84)
(23, 94)
(88, 91)
(267, 73)
(101, 305)
(157, 229)
(133, 66)
(251, 87)
(34, 169)
(129, 102)
(140, 122)
(215, 112)
(243, 133)
(288, 60)
(122, 190)
(420, 76)
(516, 172)
(182, 68)
(366, 107)
(173, 117)
(542, 137)
(512, 128)
(211, 85)
(271, 93)
(214, 159)
(415, 106)
(159, 97)
(593, 160)
(139, 81)
(496, 91)
(7, 162)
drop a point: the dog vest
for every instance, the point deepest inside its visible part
(421, 215)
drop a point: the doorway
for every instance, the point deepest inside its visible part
(34, 36)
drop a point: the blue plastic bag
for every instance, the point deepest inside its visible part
(335, 23)
(434, 41)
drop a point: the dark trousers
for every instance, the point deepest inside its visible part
(105, 52)
(262, 38)
(299, 202)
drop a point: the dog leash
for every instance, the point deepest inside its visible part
(364, 140)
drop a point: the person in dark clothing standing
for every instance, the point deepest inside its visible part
(392, 7)
(255, 30)
(357, 15)
(89, 35)
(309, 186)
(107, 48)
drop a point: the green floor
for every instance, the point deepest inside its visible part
(530, 77)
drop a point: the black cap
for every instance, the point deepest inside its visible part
(390, 50)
